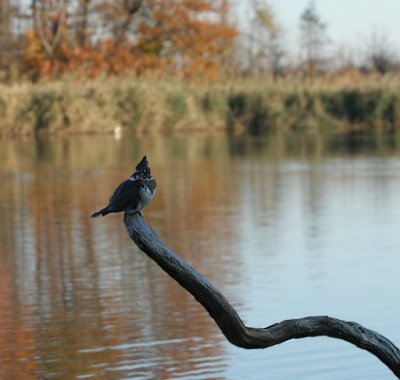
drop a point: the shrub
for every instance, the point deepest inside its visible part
(258, 112)
(239, 104)
(130, 106)
(176, 108)
(213, 103)
(43, 109)
(391, 112)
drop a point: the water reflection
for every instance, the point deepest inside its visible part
(285, 227)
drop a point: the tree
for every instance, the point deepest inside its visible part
(49, 24)
(380, 55)
(180, 37)
(185, 37)
(118, 16)
(11, 41)
(313, 38)
(6, 12)
(266, 39)
(259, 46)
(82, 26)
(231, 324)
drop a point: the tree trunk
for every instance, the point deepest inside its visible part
(48, 21)
(229, 321)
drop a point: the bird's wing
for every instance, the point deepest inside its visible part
(124, 194)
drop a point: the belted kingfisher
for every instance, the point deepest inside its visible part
(133, 194)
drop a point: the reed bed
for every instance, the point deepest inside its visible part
(147, 105)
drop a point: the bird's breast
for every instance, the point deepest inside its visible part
(138, 195)
(146, 195)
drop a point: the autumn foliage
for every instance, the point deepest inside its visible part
(185, 38)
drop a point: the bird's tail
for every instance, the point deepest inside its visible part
(102, 212)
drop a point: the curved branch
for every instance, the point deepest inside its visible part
(229, 321)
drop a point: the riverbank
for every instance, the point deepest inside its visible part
(145, 105)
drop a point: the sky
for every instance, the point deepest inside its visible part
(350, 23)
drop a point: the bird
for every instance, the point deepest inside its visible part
(117, 132)
(134, 194)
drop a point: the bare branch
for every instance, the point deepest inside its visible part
(231, 324)
(48, 20)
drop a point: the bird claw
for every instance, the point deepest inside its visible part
(133, 213)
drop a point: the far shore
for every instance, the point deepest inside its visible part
(115, 105)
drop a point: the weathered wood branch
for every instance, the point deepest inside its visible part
(229, 321)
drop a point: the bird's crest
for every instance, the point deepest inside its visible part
(142, 168)
(142, 165)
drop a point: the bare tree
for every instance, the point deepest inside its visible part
(6, 11)
(118, 16)
(262, 42)
(11, 43)
(380, 55)
(268, 36)
(313, 37)
(82, 22)
(5, 31)
(49, 20)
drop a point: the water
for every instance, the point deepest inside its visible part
(284, 227)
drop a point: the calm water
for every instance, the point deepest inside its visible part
(284, 227)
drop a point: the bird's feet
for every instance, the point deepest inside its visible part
(135, 212)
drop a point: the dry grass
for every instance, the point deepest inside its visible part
(146, 105)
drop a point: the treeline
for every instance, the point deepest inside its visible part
(255, 85)
(181, 38)
(92, 37)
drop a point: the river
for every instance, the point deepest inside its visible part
(285, 227)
